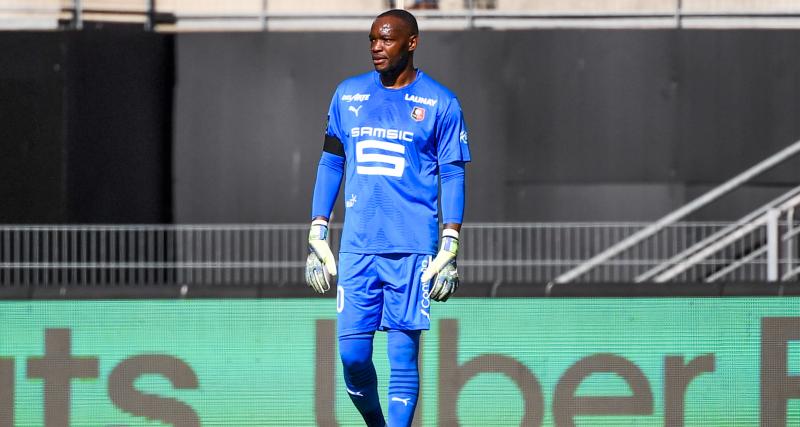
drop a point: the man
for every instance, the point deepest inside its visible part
(395, 133)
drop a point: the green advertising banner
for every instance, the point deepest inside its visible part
(486, 362)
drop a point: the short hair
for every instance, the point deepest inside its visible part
(405, 16)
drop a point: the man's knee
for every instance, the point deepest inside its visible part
(356, 351)
(354, 361)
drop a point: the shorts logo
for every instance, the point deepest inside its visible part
(463, 136)
(418, 114)
(351, 201)
(425, 303)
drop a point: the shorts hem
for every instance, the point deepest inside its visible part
(351, 331)
(400, 251)
(384, 328)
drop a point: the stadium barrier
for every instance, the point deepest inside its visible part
(274, 255)
(209, 15)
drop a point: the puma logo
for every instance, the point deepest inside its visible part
(354, 393)
(354, 109)
(403, 401)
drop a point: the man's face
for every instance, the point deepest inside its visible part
(390, 42)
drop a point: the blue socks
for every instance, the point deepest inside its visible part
(404, 377)
(360, 377)
(362, 382)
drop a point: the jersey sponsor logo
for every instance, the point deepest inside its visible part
(418, 114)
(356, 97)
(421, 100)
(395, 164)
(395, 134)
(354, 109)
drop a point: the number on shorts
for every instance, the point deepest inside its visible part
(339, 299)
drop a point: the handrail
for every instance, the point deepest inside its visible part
(682, 212)
(740, 262)
(764, 219)
(649, 274)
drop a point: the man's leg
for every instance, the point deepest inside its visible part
(406, 312)
(360, 377)
(359, 302)
(404, 377)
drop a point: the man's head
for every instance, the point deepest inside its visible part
(393, 39)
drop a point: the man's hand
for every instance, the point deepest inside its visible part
(320, 264)
(444, 268)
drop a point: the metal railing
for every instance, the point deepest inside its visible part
(496, 253)
(310, 15)
(652, 231)
(768, 235)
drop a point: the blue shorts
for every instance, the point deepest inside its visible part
(382, 292)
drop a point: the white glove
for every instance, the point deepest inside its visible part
(320, 264)
(444, 268)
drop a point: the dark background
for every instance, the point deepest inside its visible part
(565, 125)
(86, 127)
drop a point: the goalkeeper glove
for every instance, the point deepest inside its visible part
(444, 268)
(320, 264)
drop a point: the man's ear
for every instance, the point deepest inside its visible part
(412, 43)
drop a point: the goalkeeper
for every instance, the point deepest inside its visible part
(394, 133)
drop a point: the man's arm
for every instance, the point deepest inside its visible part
(453, 189)
(444, 265)
(329, 177)
(321, 263)
(453, 226)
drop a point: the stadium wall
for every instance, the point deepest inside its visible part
(119, 96)
(564, 124)
(32, 161)
(86, 127)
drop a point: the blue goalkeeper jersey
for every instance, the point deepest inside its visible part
(394, 141)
